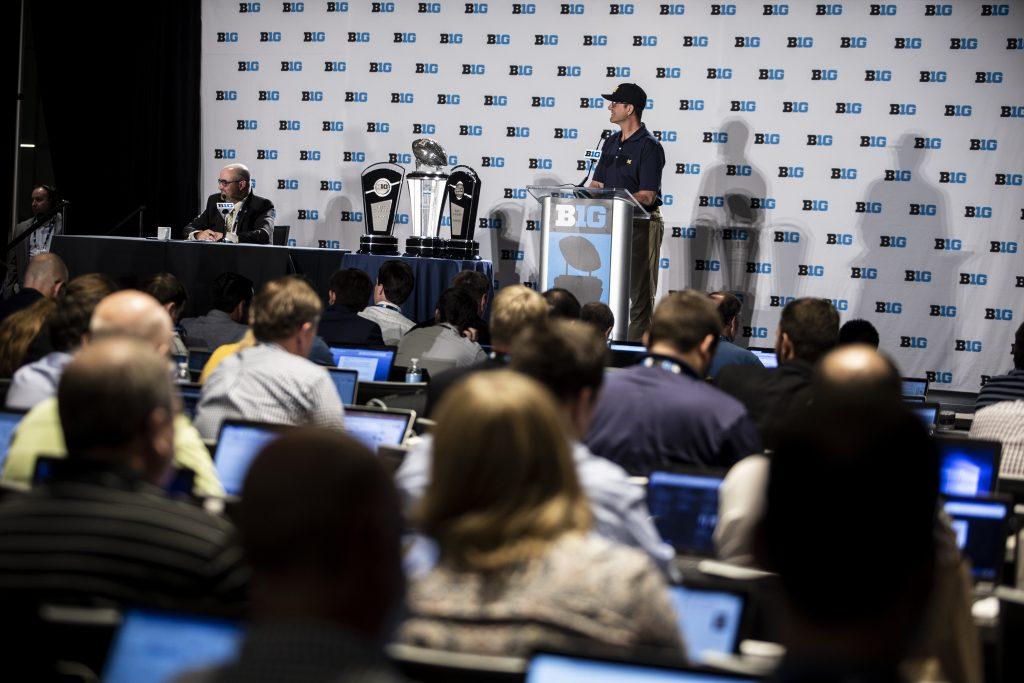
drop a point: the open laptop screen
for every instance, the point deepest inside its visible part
(153, 646)
(766, 356)
(913, 388)
(237, 446)
(926, 412)
(708, 619)
(968, 467)
(345, 381)
(685, 509)
(980, 528)
(552, 668)
(377, 427)
(9, 420)
(372, 364)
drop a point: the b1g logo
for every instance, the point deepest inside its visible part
(755, 332)
(222, 153)
(308, 214)
(969, 345)
(998, 314)
(979, 279)
(939, 377)
(778, 301)
(892, 307)
(707, 265)
(913, 342)
(804, 270)
(942, 311)
(580, 216)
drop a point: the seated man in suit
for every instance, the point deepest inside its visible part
(225, 323)
(249, 219)
(395, 281)
(341, 323)
(727, 353)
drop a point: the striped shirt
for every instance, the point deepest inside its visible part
(1003, 422)
(1008, 387)
(96, 534)
(266, 383)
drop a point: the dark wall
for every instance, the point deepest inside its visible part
(119, 85)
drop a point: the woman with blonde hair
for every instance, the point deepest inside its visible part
(518, 568)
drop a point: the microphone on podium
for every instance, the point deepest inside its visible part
(592, 156)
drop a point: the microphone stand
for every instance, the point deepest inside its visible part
(590, 166)
(39, 222)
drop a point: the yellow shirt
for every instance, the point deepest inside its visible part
(222, 352)
(40, 433)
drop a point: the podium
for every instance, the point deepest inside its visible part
(586, 239)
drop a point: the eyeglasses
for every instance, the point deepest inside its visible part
(227, 182)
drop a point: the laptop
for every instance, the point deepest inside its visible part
(914, 389)
(928, 413)
(684, 506)
(624, 354)
(237, 445)
(189, 393)
(376, 427)
(9, 420)
(980, 525)
(346, 382)
(968, 467)
(373, 363)
(197, 359)
(765, 355)
(160, 646)
(709, 620)
(181, 482)
(558, 668)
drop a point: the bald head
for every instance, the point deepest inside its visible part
(858, 367)
(46, 274)
(116, 404)
(233, 182)
(134, 314)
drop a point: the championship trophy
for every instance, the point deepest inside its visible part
(426, 199)
(463, 196)
(382, 188)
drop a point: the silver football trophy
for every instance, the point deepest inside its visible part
(463, 196)
(426, 199)
(382, 188)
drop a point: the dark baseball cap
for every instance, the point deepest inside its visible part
(629, 93)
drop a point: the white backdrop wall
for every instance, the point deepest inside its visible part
(869, 153)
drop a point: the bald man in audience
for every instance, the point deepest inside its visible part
(45, 276)
(859, 375)
(101, 529)
(125, 313)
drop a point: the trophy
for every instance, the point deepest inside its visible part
(463, 196)
(382, 188)
(426, 199)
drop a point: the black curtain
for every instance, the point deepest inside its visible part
(119, 83)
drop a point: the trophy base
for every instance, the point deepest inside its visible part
(426, 247)
(463, 250)
(382, 245)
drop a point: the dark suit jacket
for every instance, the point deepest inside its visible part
(769, 395)
(247, 222)
(339, 325)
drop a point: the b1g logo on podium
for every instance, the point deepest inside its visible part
(594, 216)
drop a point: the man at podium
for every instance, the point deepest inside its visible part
(632, 159)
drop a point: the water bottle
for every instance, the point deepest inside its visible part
(413, 373)
(183, 373)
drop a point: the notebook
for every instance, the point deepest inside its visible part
(378, 427)
(685, 508)
(372, 363)
(157, 647)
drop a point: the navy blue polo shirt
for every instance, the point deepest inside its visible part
(651, 418)
(634, 164)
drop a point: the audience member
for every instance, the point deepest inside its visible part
(727, 353)
(227, 321)
(101, 529)
(395, 282)
(273, 381)
(172, 295)
(1008, 387)
(341, 323)
(1003, 422)
(600, 317)
(19, 330)
(126, 313)
(661, 413)
(479, 287)
(858, 331)
(68, 328)
(515, 308)
(320, 527)
(562, 303)
(517, 567)
(44, 279)
(568, 359)
(862, 387)
(808, 329)
(446, 344)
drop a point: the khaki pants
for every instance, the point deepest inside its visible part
(643, 273)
